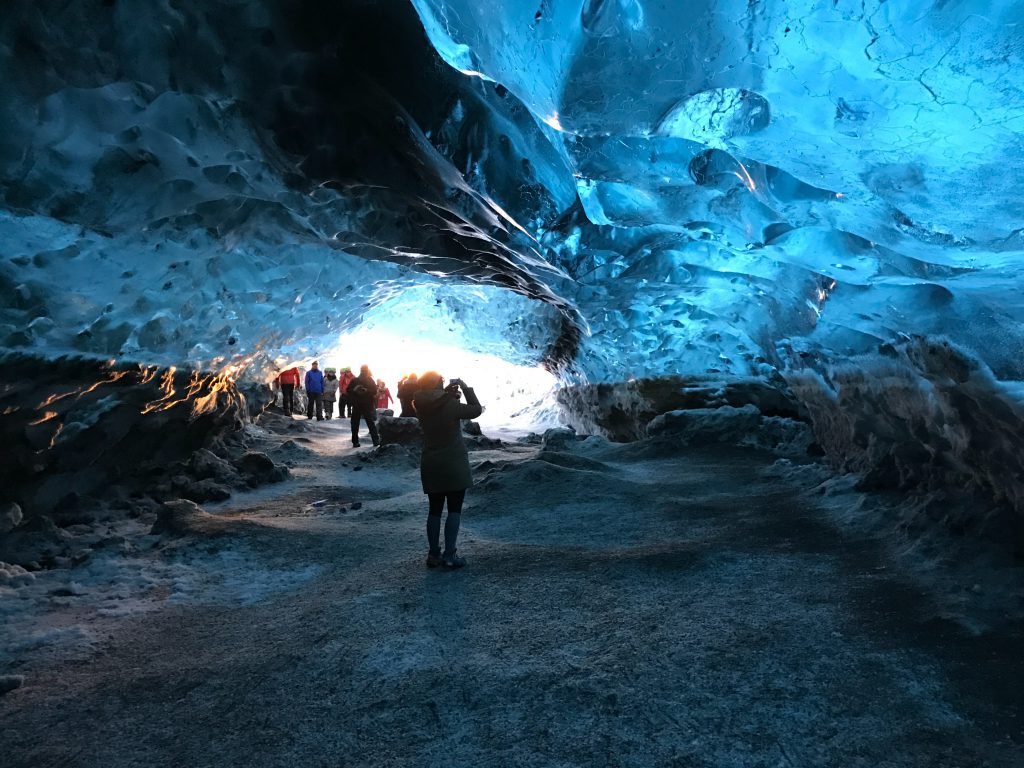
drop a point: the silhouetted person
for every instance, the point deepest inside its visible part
(288, 380)
(330, 392)
(362, 397)
(406, 389)
(315, 392)
(444, 462)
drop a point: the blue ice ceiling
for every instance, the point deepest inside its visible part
(661, 187)
(822, 175)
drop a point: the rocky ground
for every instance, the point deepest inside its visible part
(640, 604)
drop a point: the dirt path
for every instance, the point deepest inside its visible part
(622, 607)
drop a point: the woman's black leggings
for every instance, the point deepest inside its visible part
(455, 499)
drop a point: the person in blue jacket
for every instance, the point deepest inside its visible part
(315, 392)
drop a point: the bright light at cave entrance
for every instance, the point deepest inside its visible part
(512, 395)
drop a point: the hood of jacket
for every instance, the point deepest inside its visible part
(429, 401)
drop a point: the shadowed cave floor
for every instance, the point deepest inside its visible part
(622, 607)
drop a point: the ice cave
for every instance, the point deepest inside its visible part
(738, 284)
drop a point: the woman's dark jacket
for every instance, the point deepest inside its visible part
(406, 391)
(444, 463)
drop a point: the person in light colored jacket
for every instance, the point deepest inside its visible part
(330, 392)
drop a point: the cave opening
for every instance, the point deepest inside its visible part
(472, 333)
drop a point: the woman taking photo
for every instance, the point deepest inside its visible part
(444, 463)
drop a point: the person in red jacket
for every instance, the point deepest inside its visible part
(288, 380)
(344, 401)
(383, 394)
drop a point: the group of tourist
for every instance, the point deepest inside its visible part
(444, 460)
(325, 388)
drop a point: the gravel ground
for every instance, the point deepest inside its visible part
(623, 606)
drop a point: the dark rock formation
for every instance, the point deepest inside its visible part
(744, 426)
(926, 417)
(10, 516)
(260, 468)
(37, 542)
(401, 430)
(183, 517)
(622, 411)
(75, 428)
(405, 430)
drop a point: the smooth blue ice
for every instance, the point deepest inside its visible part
(757, 176)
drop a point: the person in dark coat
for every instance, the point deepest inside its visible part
(406, 389)
(444, 461)
(315, 392)
(362, 397)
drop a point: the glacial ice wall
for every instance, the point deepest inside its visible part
(656, 188)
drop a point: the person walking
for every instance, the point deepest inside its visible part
(288, 380)
(315, 392)
(344, 404)
(362, 396)
(444, 461)
(330, 392)
(383, 394)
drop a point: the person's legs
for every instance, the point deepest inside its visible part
(309, 404)
(287, 392)
(436, 501)
(455, 501)
(328, 408)
(319, 398)
(451, 529)
(355, 429)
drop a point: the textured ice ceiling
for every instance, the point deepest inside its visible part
(619, 187)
